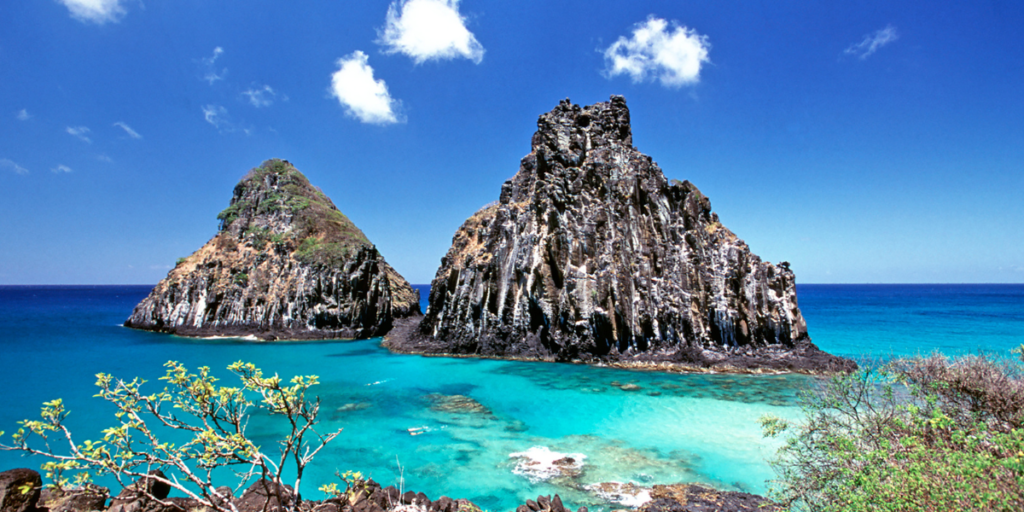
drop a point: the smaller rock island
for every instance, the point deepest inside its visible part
(591, 255)
(285, 264)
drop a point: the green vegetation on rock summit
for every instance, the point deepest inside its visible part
(275, 203)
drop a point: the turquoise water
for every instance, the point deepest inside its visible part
(881, 321)
(673, 428)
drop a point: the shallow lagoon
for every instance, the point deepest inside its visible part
(469, 415)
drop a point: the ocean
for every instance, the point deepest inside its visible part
(447, 426)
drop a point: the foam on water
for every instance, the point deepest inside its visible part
(539, 463)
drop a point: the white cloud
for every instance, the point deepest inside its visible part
(210, 73)
(653, 51)
(429, 29)
(10, 164)
(104, 158)
(95, 11)
(128, 129)
(261, 96)
(23, 115)
(873, 42)
(61, 169)
(217, 116)
(363, 97)
(79, 131)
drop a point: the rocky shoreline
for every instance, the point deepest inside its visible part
(805, 358)
(21, 490)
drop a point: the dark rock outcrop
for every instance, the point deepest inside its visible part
(697, 498)
(81, 499)
(546, 504)
(286, 264)
(591, 254)
(265, 496)
(362, 496)
(144, 495)
(19, 490)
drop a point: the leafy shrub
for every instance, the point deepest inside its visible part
(279, 239)
(214, 416)
(917, 434)
(258, 235)
(313, 251)
(241, 279)
(282, 187)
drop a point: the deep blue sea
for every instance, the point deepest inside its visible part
(53, 340)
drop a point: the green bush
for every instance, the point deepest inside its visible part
(241, 279)
(916, 434)
(328, 234)
(211, 416)
(259, 236)
(313, 251)
(230, 214)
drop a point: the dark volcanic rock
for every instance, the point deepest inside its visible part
(265, 496)
(286, 264)
(697, 498)
(19, 489)
(82, 499)
(546, 504)
(141, 495)
(591, 254)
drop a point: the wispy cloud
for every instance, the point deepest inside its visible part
(429, 29)
(260, 96)
(209, 65)
(11, 165)
(23, 115)
(873, 42)
(654, 50)
(217, 116)
(61, 169)
(80, 132)
(104, 158)
(128, 129)
(363, 97)
(95, 11)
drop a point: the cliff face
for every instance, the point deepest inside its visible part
(286, 264)
(591, 253)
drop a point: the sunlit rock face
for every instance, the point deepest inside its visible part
(286, 264)
(591, 253)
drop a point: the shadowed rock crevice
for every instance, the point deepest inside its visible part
(591, 254)
(286, 264)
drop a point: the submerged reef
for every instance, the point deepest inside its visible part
(285, 264)
(590, 254)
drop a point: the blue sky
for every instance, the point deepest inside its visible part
(861, 141)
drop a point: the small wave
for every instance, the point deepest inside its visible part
(625, 494)
(539, 463)
(250, 337)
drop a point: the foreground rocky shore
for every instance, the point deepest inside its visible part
(21, 491)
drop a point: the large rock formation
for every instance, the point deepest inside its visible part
(286, 264)
(591, 254)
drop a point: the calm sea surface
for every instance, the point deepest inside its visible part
(53, 340)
